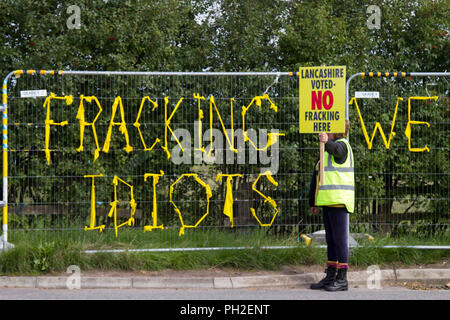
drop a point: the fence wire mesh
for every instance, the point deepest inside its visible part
(400, 138)
(50, 191)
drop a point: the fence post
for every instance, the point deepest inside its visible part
(4, 202)
(347, 117)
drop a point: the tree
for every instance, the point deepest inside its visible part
(224, 35)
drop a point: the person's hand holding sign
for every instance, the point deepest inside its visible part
(323, 137)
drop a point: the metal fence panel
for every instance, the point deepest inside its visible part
(400, 136)
(139, 144)
(148, 136)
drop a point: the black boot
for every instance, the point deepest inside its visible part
(340, 284)
(328, 280)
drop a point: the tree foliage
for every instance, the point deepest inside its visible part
(225, 35)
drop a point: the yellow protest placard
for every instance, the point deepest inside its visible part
(322, 99)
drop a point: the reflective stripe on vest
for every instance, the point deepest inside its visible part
(339, 183)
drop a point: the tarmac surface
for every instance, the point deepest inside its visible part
(372, 278)
(227, 296)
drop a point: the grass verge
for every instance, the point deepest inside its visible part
(55, 257)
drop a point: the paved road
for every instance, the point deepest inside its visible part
(386, 293)
(227, 304)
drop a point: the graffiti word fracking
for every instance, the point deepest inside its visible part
(227, 209)
(117, 107)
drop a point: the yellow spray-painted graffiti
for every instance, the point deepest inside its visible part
(257, 100)
(167, 125)
(208, 196)
(83, 123)
(228, 206)
(271, 137)
(211, 115)
(155, 177)
(227, 209)
(122, 126)
(200, 117)
(113, 210)
(50, 122)
(138, 125)
(168, 117)
(267, 174)
(410, 122)
(392, 133)
(93, 215)
(387, 143)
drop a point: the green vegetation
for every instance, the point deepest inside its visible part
(54, 255)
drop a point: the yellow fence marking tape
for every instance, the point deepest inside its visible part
(271, 137)
(113, 210)
(83, 123)
(200, 117)
(50, 122)
(385, 74)
(45, 72)
(138, 125)
(93, 214)
(267, 174)
(122, 126)
(208, 196)
(387, 143)
(155, 177)
(228, 206)
(211, 116)
(167, 125)
(410, 122)
(18, 73)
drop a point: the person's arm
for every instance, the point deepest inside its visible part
(312, 190)
(312, 187)
(337, 149)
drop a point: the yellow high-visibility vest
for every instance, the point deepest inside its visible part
(338, 187)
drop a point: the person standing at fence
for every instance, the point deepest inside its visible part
(336, 197)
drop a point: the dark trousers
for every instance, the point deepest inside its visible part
(335, 221)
